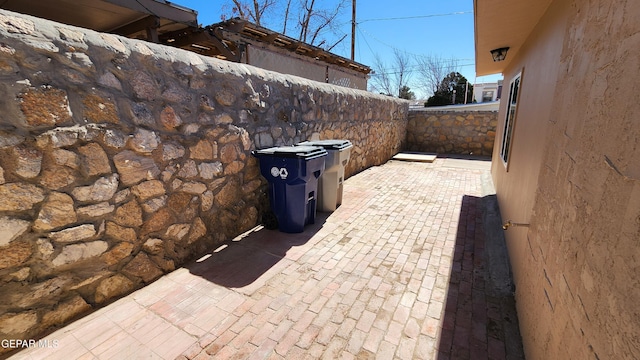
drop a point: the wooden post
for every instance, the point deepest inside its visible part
(353, 30)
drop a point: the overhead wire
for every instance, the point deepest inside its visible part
(365, 35)
(411, 68)
(358, 22)
(364, 32)
(414, 17)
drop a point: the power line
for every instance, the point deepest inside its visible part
(452, 66)
(412, 68)
(364, 38)
(407, 17)
(415, 17)
(365, 32)
(393, 71)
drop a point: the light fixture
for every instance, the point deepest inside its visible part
(499, 54)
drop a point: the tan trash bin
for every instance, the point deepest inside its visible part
(330, 184)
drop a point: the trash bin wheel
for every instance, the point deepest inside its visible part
(270, 220)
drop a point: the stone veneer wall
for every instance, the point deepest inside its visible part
(452, 132)
(121, 159)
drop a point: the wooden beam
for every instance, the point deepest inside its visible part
(215, 37)
(270, 38)
(192, 38)
(236, 25)
(161, 9)
(147, 22)
(152, 34)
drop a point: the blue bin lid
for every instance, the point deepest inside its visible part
(328, 144)
(301, 152)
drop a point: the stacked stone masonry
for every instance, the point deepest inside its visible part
(452, 132)
(121, 159)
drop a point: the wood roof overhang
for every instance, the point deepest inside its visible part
(503, 23)
(143, 19)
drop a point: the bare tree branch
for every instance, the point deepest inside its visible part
(325, 19)
(313, 21)
(305, 18)
(381, 78)
(403, 73)
(329, 48)
(286, 17)
(252, 10)
(432, 69)
(393, 80)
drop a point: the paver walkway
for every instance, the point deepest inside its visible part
(397, 272)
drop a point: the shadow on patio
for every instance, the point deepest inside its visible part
(241, 261)
(480, 320)
(407, 268)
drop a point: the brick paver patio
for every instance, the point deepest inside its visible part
(397, 272)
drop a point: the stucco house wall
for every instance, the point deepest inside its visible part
(289, 63)
(573, 175)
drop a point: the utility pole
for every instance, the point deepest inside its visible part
(353, 30)
(466, 90)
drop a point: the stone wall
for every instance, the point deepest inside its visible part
(121, 159)
(452, 132)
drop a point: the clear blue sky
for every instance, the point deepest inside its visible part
(441, 28)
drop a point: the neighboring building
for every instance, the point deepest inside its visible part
(487, 106)
(248, 43)
(566, 165)
(487, 92)
(235, 40)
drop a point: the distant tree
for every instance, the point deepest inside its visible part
(391, 79)
(312, 23)
(438, 100)
(403, 74)
(406, 93)
(380, 77)
(451, 90)
(251, 10)
(431, 70)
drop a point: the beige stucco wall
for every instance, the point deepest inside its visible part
(307, 68)
(517, 184)
(574, 175)
(273, 61)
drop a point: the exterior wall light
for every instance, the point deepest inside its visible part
(499, 54)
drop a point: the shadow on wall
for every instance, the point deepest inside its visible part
(480, 318)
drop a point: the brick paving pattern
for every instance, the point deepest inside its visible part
(397, 272)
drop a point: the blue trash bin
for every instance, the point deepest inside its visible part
(292, 173)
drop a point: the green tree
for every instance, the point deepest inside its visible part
(406, 93)
(452, 90)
